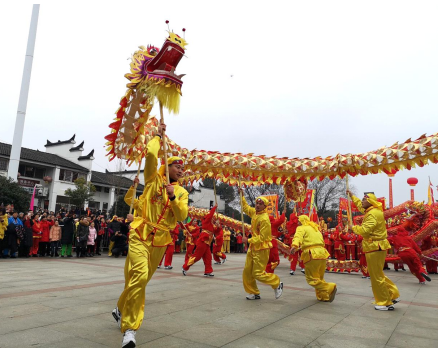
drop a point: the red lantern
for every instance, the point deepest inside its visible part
(412, 181)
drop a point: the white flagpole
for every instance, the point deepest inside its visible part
(14, 159)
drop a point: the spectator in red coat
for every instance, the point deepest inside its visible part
(44, 241)
(239, 243)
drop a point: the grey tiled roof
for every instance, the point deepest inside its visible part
(113, 180)
(41, 157)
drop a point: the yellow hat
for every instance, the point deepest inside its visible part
(370, 197)
(263, 199)
(170, 160)
(304, 220)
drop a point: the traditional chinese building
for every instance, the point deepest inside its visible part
(55, 170)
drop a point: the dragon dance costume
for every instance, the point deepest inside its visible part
(157, 214)
(375, 246)
(314, 256)
(258, 251)
(203, 246)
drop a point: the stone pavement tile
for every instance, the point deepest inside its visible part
(23, 310)
(427, 313)
(172, 342)
(78, 342)
(418, 321)
(210, 334)
(417, 331)
(288, 334)
(401, 340)
(377, 336)
(317, 313)
(252, 341)
(248, 321)
(367, 323)
(302, 324)
(60, 303)
(101, 331)
(34, 337)
(169, 324)
(340, 341)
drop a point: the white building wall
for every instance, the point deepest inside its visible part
(61, 150)
(202, 198)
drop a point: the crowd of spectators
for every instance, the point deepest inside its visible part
(78, 233)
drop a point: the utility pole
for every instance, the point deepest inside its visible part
(14, 159)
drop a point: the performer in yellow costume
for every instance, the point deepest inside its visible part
(375, 246)
(258, 251)
(314, 255)
(158, 210)
(227, 237)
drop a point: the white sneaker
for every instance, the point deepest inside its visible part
(223, 260)
(168, 267)
(253, 297)
(129, 339)
(396, 300)
(159, 266)
(292, 272)
(385, 308)
(422, 283)
(117, 315)
(184, 272)
(302, 270)
(208, 274)
(364, 277)
(279, 290)
(217, 263)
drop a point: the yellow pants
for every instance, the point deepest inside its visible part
(141, 262)
(314, 272)
(383, 288)
(226, 246)
(255, 265)
(111, 244)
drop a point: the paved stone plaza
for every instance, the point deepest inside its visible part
(67, 303)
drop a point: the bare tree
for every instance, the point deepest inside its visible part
(328, 193)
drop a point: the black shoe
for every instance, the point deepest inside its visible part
(425, 276)
(69, 256)
(98, 254)
(386, 268)
(396, 270)
(62, 256)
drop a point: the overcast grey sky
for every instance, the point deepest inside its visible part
(312, 78)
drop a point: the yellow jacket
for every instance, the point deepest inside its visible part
(372, 229)
(156, 213)
(227, 235)
(260, 228)
(311, 242)
(3, 225)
